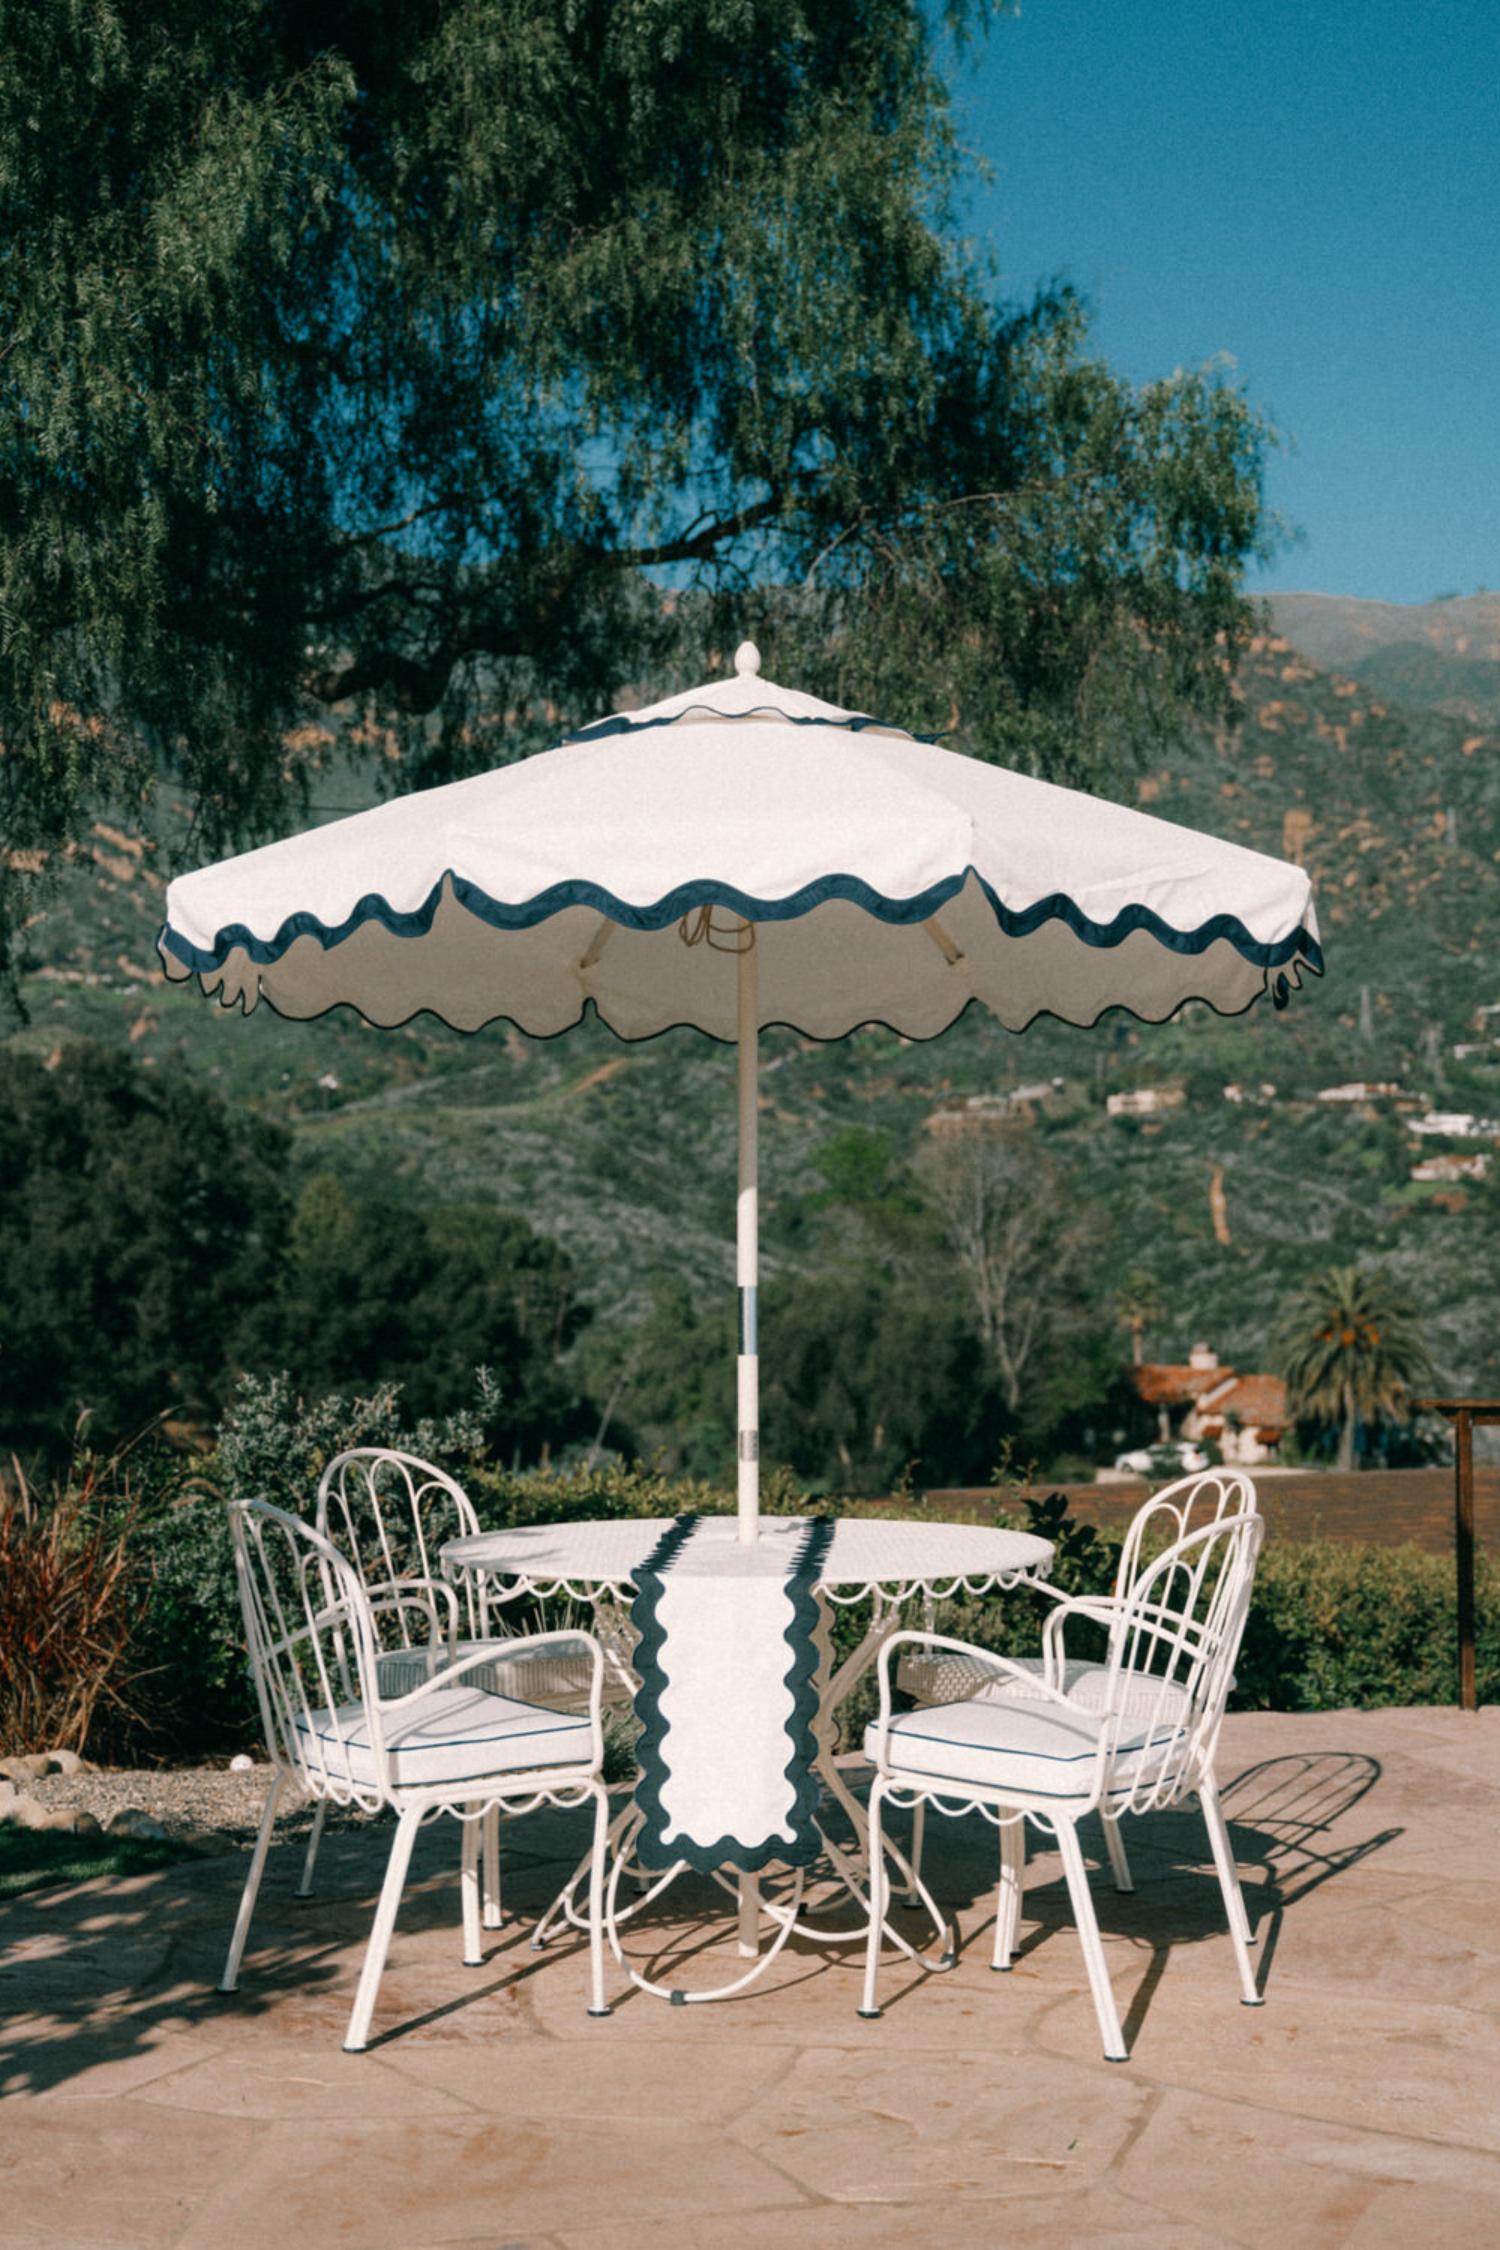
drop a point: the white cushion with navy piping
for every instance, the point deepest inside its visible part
(1036, 1750)
(454, 1734)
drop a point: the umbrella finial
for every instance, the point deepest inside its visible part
(747, 660)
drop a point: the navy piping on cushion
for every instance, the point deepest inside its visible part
(509, 1732)
(1301, 945)
(800, 1676)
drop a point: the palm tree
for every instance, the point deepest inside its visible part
(1350, 1352)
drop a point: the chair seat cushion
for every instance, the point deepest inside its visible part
(455, 1734)
(1034, 1749)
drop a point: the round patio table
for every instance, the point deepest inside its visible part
(734, 1685)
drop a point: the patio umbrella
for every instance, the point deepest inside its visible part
(733, 857)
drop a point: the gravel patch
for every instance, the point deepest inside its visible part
(189, 1801)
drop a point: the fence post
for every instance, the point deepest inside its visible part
(1464, 1413)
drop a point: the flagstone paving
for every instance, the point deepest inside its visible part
(1358, 2110)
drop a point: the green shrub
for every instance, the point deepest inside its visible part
(1335, 1626)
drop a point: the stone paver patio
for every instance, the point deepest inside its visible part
(1359, 2107)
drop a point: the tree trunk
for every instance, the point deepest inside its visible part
(1346, 1431)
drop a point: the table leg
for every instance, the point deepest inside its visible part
(749, 1917)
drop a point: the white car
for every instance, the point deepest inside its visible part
(1176, 1457)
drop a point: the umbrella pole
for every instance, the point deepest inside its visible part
(747, 1263)
(747, 1248)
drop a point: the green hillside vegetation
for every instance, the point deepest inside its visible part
(623, 1157)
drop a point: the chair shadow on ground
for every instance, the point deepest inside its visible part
(100, 1973)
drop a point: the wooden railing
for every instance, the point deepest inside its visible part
(1464, 1413)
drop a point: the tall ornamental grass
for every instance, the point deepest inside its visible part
(71, 1600)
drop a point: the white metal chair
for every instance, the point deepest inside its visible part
(390, 1514)
(443, 1746)
(1207, 1497)
(1143, 1737)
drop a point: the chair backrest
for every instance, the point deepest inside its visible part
(1172, 1656)
(310, 1634)
(391, 1514)
(1205, 1497)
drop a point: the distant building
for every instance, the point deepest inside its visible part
(1144, 1101)
(1264, 1092)
(977, 1113)
(1454, 1125)
(1362, 1090)
(1244, 1415)
(1450, 1166)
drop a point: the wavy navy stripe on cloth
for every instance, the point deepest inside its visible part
(729, 1717)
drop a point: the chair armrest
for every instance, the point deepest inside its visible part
(518, 1645)
(1099, 1609)
(400, 1594)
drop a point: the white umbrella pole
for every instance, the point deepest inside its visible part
(747, 1248)
(747, 1265)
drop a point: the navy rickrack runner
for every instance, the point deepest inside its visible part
(730, 1663)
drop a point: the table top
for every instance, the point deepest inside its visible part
(896, 1554)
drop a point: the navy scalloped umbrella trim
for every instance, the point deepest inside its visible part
(853, 722)
(801, 1677)
(708, 891)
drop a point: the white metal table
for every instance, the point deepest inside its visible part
(885, 1562)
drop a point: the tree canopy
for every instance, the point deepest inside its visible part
(1351, 1353)
(461, 366)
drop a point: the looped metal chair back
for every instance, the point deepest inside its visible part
(391, 1514)
(1172, 1657)
(311, 1637)
(1191, 1503)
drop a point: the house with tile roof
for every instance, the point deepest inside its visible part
(1245, 1416)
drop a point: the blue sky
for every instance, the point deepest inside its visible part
(1311, 186)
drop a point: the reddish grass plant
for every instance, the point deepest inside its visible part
(70, 1590)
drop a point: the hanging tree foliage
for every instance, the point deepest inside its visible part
(476, 360)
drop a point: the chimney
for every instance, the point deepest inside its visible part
(1202, 1356)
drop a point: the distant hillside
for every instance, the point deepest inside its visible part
(1337, 631)
(1440, 656)
(626, 1154)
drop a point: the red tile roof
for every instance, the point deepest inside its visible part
(1175, 1386)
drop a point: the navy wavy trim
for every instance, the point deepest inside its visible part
(853, 722)
(708, 891)
(801, 1677)
(653, 1679)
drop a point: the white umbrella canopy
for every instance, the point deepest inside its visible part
(889, 880)
(738, 856)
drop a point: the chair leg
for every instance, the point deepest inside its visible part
(1008, 1898)
(320, 1814)
(878, 1893)
(1088, 1932)
(598, 2005)
(1114, 1844)
(358, 2035)
(231, 1976)
(468, 1884)
(913, 1894)
(492, 1914)
(1229, 1884)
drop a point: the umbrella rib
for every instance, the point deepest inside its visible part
(598, 942)
(951, 953)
